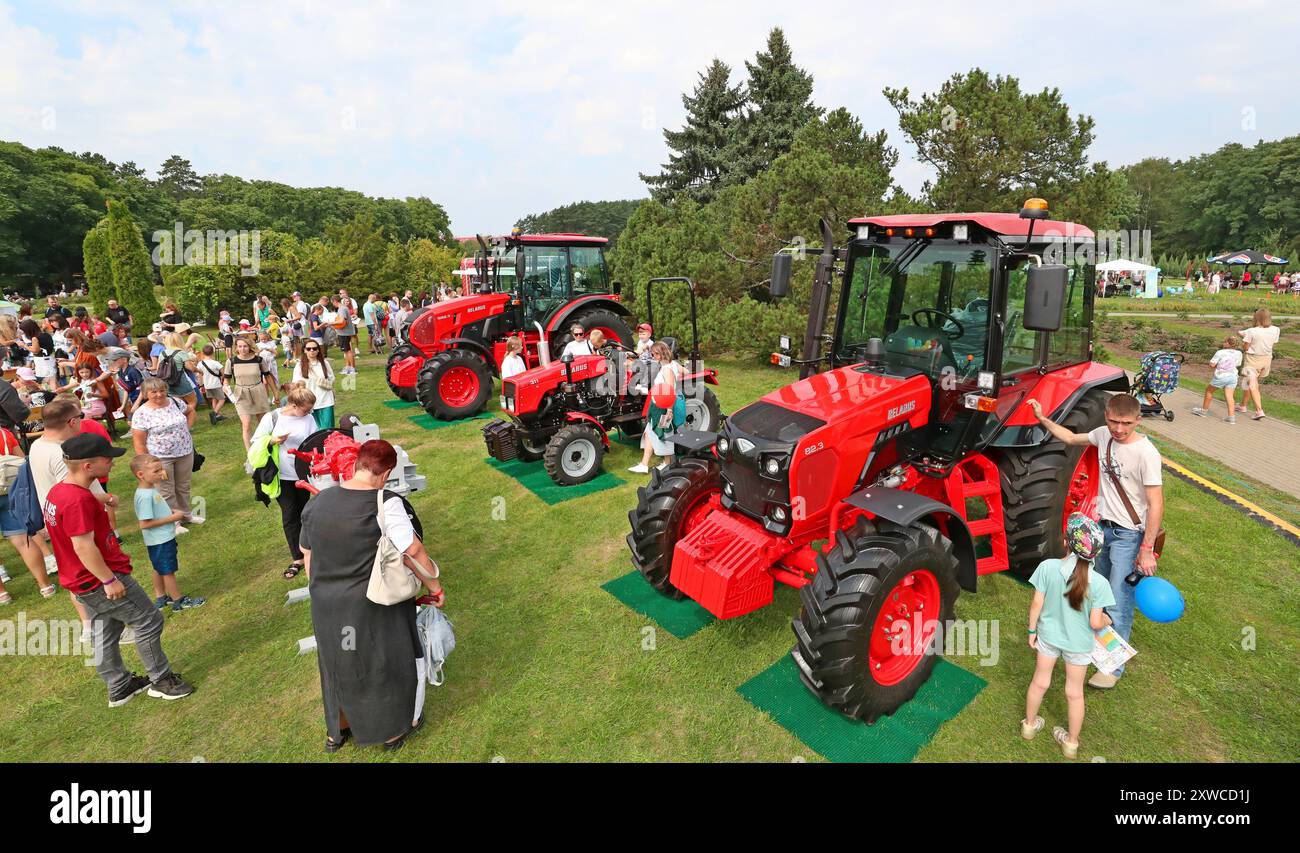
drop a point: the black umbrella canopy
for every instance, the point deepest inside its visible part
(1247, 257)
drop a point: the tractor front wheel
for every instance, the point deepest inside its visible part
(675, 501)
(401, 351)
(573, 454)
(874, 615)
(703, 412)
(454, 384)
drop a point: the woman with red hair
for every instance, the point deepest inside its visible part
(367, 652)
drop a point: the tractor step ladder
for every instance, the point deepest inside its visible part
(977, 477)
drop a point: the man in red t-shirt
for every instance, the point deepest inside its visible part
(93, 567)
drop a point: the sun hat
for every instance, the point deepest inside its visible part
(26, 373)
(1084, 536)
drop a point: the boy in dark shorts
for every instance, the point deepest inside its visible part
(158, 527)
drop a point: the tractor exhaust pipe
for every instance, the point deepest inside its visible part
(543, 346)
(820, 304)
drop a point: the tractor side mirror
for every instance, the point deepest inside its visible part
(521, 267)
(1045, 297)
(617, 288)
(782, 267)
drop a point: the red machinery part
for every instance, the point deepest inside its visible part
(406, 371)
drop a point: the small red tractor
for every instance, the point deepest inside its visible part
(562, 412)
(532, 285)
(884, 485)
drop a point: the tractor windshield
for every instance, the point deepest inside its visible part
(928, 301)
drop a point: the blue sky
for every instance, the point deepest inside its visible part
(499, 109)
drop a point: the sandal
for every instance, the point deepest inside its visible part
(6, 598)
(49, 591)
(1061, 736)
(332, 745)
(293, 570)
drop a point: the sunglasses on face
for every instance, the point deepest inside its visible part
(580, 334)
(311, 349)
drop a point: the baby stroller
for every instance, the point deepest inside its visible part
(1157, 374)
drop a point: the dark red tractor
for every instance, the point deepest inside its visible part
(884, 485)
(535, 286)
(562, 412)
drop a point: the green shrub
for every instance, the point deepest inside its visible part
(98, 267)
(132, 268)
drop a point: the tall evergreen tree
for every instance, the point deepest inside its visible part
(99, 268)
(779, 105)
(177, 177)
(131, 266)
(698, 161)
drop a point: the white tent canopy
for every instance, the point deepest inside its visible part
(1122, 266)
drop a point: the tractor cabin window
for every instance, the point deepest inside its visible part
(588, 265)
(1070, 344)
(546, 277)
(1019, 345)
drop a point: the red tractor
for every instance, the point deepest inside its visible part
(562, 412)
(884, 485)
(532, 285)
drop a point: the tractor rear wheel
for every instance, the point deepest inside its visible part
(703, 412)
(613, 326)
(676, 500)
(454, 384)
(400, 352)
(866, 634)
(573, 454)
(1036, 499)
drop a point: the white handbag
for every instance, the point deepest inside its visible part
(391, 582)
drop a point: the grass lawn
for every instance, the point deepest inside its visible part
(1200, 302)
(549, 667)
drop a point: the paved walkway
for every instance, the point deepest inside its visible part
(1155, 315)
(1267, 450)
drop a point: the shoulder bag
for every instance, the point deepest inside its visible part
(1159, 542)
(391, 582)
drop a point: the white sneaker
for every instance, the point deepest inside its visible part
(181, 529)
(1199, 412)
(196, 519)
(639, 469)
(4, 575)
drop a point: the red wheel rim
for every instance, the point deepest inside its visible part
(696, 512)
(904, 627)
(458, 386)
(1081, 488)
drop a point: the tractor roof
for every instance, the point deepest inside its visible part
(566, 239)
(1005, 224)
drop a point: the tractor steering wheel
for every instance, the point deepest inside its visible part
(936, 313)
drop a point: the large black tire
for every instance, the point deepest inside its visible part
(594, 318)
(661, 509)
(703, 412)
(842, 605)
(573, 454)
(400, 352)
(1034, 483)
(427, 387)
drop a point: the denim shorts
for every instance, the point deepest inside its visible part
(9, 525)
(1228, 382)
(163, 557)
(1051, 651)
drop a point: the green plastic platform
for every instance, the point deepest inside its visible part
(401, 404)
(679, 618)
(778, 691)
(533, 477)
(428, 421)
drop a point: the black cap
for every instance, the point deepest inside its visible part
(89, 446)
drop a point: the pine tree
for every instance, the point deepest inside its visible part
(176, 176)
(780, 104)
(132, 269)
(98, 268)
(699, 163)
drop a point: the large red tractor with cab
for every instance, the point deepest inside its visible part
(886, 484)
(562, 412)
(535, 286)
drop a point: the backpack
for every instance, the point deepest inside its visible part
(24, 503)
(167, 368)
(10, 465)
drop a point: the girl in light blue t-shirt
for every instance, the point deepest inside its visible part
(1066, 610)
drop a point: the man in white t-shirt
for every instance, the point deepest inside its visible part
(1130, 525)
(579, 345)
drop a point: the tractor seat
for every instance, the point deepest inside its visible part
(672, 345)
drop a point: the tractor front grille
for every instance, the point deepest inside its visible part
(502, 442)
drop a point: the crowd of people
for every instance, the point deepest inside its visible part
(1250, 351)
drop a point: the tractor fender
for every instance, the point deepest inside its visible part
(907, 508)
(608, 303)
(710, 377)
(475, 347)
(579, 417)
(1032, 435)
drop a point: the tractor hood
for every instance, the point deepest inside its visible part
(839, 394)
(524, 391)
(445, 319)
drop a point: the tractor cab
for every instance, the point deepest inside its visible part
(544, 273)
(948, 298)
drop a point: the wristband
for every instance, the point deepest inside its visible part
(1033, 630)
(113, 579)
(1148, 547)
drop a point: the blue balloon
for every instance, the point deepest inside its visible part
(1159, 600)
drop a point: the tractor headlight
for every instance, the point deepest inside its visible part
(772, 466)
(727, 490)
(778, 514)
(723, 446)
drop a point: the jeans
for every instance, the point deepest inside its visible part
(1117, 560)
(292, 501)
(110, 617)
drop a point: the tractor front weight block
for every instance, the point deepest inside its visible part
(502, 442)
(724, 564)
(406, 372)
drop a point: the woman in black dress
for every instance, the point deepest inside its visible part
(367, 652)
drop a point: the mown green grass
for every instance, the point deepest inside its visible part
(1200, 302)
(550, 667)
